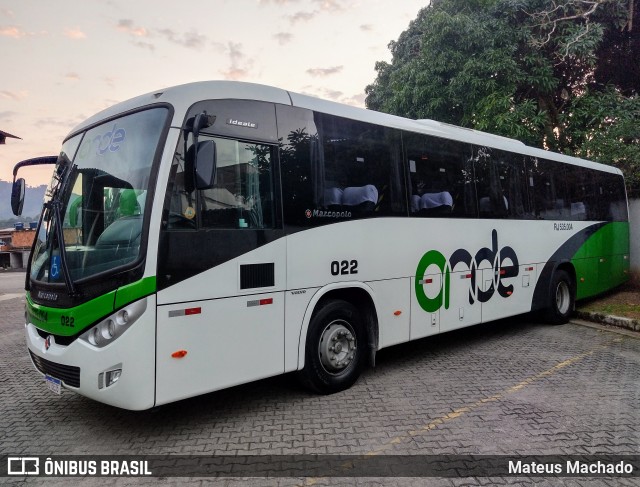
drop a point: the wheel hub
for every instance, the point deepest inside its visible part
(562, 297)
(337, 346)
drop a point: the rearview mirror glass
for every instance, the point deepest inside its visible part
(205, 165)
(17, 196)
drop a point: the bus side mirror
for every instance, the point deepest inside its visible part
(17, 196)
(205, 165)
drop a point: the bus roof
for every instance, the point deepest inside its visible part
(181, 97)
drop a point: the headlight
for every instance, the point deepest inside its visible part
(110, 328)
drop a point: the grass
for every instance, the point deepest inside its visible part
(623, 301)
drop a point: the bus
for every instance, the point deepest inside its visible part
(217, 233)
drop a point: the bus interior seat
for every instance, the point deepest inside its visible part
(360, 198)
(432, 204)
(578, 211)
(489, 209)
(125, 231)
(333, 197)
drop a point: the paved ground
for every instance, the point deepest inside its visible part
(511, 387)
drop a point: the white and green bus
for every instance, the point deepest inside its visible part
(217, 233)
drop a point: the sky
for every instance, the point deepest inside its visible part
(64, 60)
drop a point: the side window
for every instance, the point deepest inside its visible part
(362, 170)
(440, 175)
(336, 169)
(501, 184)
(610, 191)
(581, 191)
(242, 196)
(243, 193)
(548, 189)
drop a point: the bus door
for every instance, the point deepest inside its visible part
(222, 262)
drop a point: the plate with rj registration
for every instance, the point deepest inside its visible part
(54, 384)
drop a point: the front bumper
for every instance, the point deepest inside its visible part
(81, 367)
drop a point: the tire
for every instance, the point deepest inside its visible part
(561, 298)
(335, 348)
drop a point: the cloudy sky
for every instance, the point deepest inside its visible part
(64, 60)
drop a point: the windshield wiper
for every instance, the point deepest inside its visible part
(55, 205)
(62, 173)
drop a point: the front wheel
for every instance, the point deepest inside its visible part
(561, 298)
(334, 354)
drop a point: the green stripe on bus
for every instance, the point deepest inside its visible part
(132, 292)
(71, 321)
(603, 260)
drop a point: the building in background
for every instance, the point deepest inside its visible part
(15, 245)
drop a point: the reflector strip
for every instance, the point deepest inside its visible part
(529, 268)
(179, 354)
(466, 276)
(259, 302)
(185, 312)
(426, 281)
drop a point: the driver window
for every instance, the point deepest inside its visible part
(241, 198)
(243, 193)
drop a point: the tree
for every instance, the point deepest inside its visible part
(563, 75)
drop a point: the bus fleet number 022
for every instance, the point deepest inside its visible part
(344, 267)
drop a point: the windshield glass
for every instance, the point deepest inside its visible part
(98, 193)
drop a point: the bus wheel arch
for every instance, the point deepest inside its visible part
(348, 317)
(562, 294)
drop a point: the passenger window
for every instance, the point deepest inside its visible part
(610, 193)
(337, 169)
(501, 184)
(581, 191)
(547, 184)
(440, 174)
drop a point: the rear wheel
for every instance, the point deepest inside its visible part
(335, 348)
(561, 298)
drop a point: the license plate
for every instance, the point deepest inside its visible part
(53, 384)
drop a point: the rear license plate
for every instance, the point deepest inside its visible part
(53, 384)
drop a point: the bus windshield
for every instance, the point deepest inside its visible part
(97, 196)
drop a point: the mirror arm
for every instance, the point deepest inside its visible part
(36, 161)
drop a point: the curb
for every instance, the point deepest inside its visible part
(617, 321)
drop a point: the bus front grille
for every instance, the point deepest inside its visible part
(66, 373)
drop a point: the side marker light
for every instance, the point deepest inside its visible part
(179, 354)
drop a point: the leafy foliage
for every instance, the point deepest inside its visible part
(560, 74)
